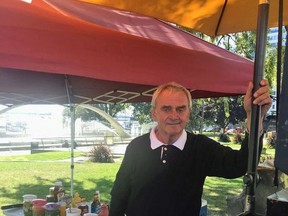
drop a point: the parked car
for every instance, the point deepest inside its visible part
(234, 130)
(211, 129)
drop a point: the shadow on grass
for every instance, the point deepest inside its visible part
(216, 190)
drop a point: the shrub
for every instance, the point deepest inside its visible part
(237, 138)
(224, 137)
(101, 154)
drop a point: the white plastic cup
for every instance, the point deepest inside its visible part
(73, 212)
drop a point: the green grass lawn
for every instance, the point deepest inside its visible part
(46, 156)
(33, 174)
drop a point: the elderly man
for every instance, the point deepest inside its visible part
(163, 172)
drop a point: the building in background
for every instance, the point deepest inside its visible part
(272, 37)
(273, 110)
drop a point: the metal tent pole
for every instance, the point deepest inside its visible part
(72, 131)
(72, 113)
(250, 178)
(279, 56)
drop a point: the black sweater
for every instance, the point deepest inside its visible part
(145, 185)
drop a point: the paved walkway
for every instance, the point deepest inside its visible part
(117, 149)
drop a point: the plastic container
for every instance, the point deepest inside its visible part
(52, 209)
(38, 207)
(28, 204)
(73, 212)
(84, 208)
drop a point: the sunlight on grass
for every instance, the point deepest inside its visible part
(41, 156)
(36, 177)
(216, 190)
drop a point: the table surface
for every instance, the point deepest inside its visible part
(16, 211)
(280, 195)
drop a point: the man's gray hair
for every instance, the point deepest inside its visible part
(171, 86)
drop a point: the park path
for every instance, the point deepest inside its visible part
(117, 149)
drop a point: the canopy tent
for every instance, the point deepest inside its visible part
(62, 53)
(116, 51)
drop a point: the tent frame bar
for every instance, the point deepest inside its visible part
(72, 132)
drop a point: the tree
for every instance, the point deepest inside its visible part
(142, 112)
(244, 44)
(222, 111)
(271, 66)
(198, 118)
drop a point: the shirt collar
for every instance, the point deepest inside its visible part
(155, 143)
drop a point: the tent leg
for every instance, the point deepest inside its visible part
(72, 114)
(250, 178)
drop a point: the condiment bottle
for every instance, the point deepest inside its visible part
(62, 208)
(104, 211)
(96, 205)
(58, 191)
(27, 204)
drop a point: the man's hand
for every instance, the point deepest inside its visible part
(260, 97)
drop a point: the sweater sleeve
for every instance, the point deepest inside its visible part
(122, 186)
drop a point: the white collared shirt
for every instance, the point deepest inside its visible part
(155, 143)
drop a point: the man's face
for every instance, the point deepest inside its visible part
(171, 112)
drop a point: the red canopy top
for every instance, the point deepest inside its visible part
(80, 39)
